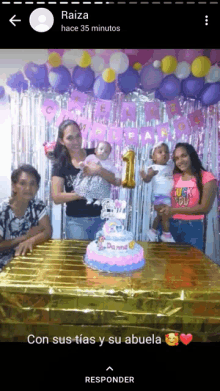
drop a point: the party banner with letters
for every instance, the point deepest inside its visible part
(128, 111)
(152, 110)
(77, 101)
(102, 109)
(131, 136)
(181, 126)
(163, 131)
(115, 135)
(84, 125)
(98, 132)
(196, 119)
(147, 135)
(49, 109)
(64, 115)
(173, 108)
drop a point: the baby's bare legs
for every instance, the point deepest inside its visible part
(156, 222)
(164, 220)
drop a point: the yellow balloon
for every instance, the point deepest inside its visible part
(168, 64)
(201, 66)
(137, 66)
(108, 75)
(54, 59)
(85, 60)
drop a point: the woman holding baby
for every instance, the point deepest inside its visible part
(191, 198)
(83, 218)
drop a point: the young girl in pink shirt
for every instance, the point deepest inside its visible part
(192, 197)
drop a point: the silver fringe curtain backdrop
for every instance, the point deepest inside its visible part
(30, 130)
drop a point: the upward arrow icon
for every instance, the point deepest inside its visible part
(109, 368)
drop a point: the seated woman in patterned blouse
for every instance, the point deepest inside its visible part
(24, 222)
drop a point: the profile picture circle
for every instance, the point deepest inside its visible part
(41, 20)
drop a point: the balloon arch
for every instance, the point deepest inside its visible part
(190, 73)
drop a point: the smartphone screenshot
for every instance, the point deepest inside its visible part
(109, 184)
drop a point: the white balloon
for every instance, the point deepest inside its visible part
(213, 75)
(39, 56)
(99, 51)
(77, 52)
(8, 89)
(182, 70)
(98, 64)
(69, 59)
(156, 64)
(78, 55)
(119, 62)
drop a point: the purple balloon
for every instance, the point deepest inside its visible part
(83, 78)
(210, 94)
(2, 92)
(30, 70)
(102, 89)
(60, 79)
(17, 82)
(150, 78)
(192, 86)
(14, 79)
(158, 95)
(169, 87)
(22, 86)
(129, 80)
(37, 74)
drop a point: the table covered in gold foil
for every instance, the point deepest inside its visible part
(51, 292)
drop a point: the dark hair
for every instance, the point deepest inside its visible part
(61, 153)
(25, 168)
(196, 165)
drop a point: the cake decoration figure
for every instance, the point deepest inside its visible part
(114, 250)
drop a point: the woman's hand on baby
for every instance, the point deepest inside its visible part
(77, 196)
(165, 209)
(92, 169)
(81, 165)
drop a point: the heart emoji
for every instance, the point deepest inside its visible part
(186, 338)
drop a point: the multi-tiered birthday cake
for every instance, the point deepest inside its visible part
(114, 249)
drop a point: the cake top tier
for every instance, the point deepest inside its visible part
(113, 226)
(113, 209)
(113, 229)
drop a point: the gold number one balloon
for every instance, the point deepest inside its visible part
(128, 180)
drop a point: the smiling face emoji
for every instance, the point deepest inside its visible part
(172, 339)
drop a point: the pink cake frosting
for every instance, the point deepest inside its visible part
(114, 250)
(121, 260)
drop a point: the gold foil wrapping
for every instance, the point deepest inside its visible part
(51, 292)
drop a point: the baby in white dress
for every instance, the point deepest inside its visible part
(161, 175)
(95, 187)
